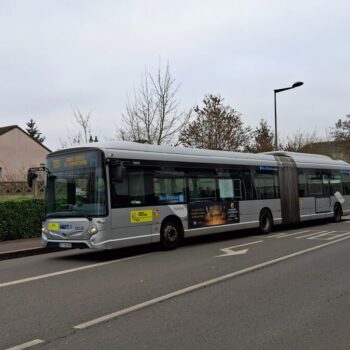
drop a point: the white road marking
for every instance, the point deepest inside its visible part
(199, 286)
(322, 235)
(284, 234)
(229, 252)
(311, 234)
(64, 272)
(336, 236)
(292, 234)
(27, 345)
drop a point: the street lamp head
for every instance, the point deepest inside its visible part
(296, 84)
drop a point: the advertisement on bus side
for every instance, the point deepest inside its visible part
(210, 213)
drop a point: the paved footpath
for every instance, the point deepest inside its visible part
(21, 247)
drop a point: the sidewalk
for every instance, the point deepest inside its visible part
(21, 247)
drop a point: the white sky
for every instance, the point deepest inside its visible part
(91, 54)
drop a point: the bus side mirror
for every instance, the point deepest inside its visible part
(118, 173)
(31, 177)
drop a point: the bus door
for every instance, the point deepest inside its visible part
(323, 201)
(131, 216)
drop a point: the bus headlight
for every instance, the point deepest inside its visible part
(44, 230)
(92, 229)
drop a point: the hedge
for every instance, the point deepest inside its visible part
(21, 219)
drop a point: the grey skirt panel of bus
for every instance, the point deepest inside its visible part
(288, 178)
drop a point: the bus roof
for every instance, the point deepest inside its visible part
(140, 151)
(308, 160)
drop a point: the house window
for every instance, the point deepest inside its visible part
(0, 173)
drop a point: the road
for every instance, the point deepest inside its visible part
(286, 290)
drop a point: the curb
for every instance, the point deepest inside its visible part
(13, 254)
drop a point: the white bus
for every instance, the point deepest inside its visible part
(122, 194)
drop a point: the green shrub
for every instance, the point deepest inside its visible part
(21, 219)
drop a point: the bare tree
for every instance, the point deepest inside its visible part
(299, 140)
(152, 116)
(216, 127)
(82, 135)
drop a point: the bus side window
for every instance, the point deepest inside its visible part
(266, 185)
(169, 188)
(247, 192)
(140, 186)
(302, 185)
(325, 185)
(242, 185)
(202, 188)
(336, 183)
(346, 184)
(226, 189)
(314, 185)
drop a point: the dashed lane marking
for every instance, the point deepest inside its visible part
(27, 345)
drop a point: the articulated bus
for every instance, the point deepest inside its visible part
(121, 194)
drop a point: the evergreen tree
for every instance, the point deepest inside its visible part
(34, 132)
(341, 130)
(262, 138)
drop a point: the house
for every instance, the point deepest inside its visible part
(333, 149)
(19, 152)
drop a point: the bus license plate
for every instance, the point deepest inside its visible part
(65, 245)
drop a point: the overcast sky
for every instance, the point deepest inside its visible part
(91, 54)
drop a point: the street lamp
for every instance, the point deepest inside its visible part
(296, 84)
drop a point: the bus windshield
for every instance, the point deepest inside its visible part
(76, 185)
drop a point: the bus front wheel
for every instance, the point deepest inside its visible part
(265, 222)
(170, 235)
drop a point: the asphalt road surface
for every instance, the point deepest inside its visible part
(286, 290)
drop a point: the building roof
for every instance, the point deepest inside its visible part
(6, 129)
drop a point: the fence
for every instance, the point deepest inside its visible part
(20, 188)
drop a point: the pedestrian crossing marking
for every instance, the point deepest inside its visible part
(311, 234)
(322, 235)
(286, 234)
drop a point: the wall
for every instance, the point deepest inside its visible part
(18, 152)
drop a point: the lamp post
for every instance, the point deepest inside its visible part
(296, 84)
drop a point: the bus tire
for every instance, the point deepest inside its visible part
(170, 234)
(338, 212)
(265, 222)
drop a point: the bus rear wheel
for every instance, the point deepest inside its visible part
(170, 235)
(265, 222)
